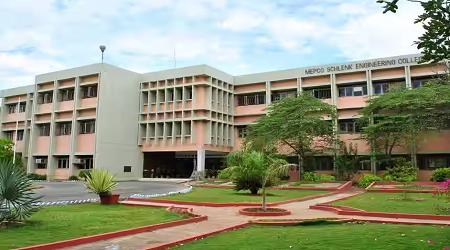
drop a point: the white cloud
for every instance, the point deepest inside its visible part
(379, 35)
(142, 34)
(242, 20)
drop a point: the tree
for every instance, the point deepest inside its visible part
(260, 168)
(297, 124)
(16, 197)
(347, 161)
(435, 41)
(7, 151)
(399, 117)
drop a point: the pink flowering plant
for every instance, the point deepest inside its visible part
(443, 192)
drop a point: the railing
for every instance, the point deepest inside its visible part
(251, 100)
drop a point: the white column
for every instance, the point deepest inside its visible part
(201, 160)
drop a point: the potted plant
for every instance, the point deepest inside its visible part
(102, 182)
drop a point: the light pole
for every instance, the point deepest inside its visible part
(102, 49)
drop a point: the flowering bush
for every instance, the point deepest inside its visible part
(441, 174)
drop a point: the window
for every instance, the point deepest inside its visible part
(19, 135)
(381, 88)
(87, 127)
(11, 109)
(282, 95)
(348, 126)
(9, 135)
(22, 107)
(66, 95)
(63, 163)
(46, 97)
(355, 90)
(89, 92)
(44, 130)
(242, 131)
(87, 163)
(188, 94)
(320, 93)
(246, 100)
(417, 83)
(64, 128)
(127, 169)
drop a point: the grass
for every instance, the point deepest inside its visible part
(222, 195)
(319, 237)
(413, 187)
(216, 181)
(68, 222)
(381, 202)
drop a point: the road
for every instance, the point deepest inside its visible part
(67, 191)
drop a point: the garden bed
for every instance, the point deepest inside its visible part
(59, 223)
(389, 203)
(417, 187)
(270, 211)
(318, 237)
(219, 195)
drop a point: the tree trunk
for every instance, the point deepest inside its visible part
(264, 199)
(300, 167)
(413, 150)
(254, 191)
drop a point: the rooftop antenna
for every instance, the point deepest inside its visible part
(174, 59)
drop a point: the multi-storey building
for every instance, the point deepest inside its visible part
(170, 123)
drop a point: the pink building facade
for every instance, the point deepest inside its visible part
(171, 123)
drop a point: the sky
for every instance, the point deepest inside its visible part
(235, 36)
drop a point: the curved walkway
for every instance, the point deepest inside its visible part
(68, 191)
(219, 218)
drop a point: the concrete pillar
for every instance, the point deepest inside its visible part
(201, 160)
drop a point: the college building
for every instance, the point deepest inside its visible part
(173, 122)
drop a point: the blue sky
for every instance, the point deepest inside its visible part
(236, 36)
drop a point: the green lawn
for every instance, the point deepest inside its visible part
(222, 195)
(67, 222)
(320, 237)
(381, 202)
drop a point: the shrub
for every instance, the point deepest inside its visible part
(84, 174)
(16, 199)
(100, 182)
(441, 174)
(223, 175)
(367, 179)
(326, 177)
(403, 171)
(311, 176)
(252, 183)
(73, 178)
(37, 177)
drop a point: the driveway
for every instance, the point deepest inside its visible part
(67, 191)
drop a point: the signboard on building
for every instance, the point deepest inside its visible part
(356, 66)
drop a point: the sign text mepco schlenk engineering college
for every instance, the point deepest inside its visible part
(363, 65)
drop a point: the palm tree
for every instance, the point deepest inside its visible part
(257, 169)
(16, 198)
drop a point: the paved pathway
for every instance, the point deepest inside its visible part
(218, 218)
(68, 191)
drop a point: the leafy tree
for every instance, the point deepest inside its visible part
(398, 118)
(257, 167)
(296, 123)
(7, 151)
(435, 41)
(347, 161)
(16, 198)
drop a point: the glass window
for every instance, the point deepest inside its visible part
(349, 91)
(11, 109)
(20, 135)
(22, 107)
(63, 163)
(44, 130)
(87, 127)
(246, 100)
(64, 128)
(242, 131)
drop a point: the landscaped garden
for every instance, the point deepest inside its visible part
(223, 195)
(319, 237)
(57, 223)
(416, 203)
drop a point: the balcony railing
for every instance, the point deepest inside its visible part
(251, 100)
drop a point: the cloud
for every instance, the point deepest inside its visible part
(234, 36)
